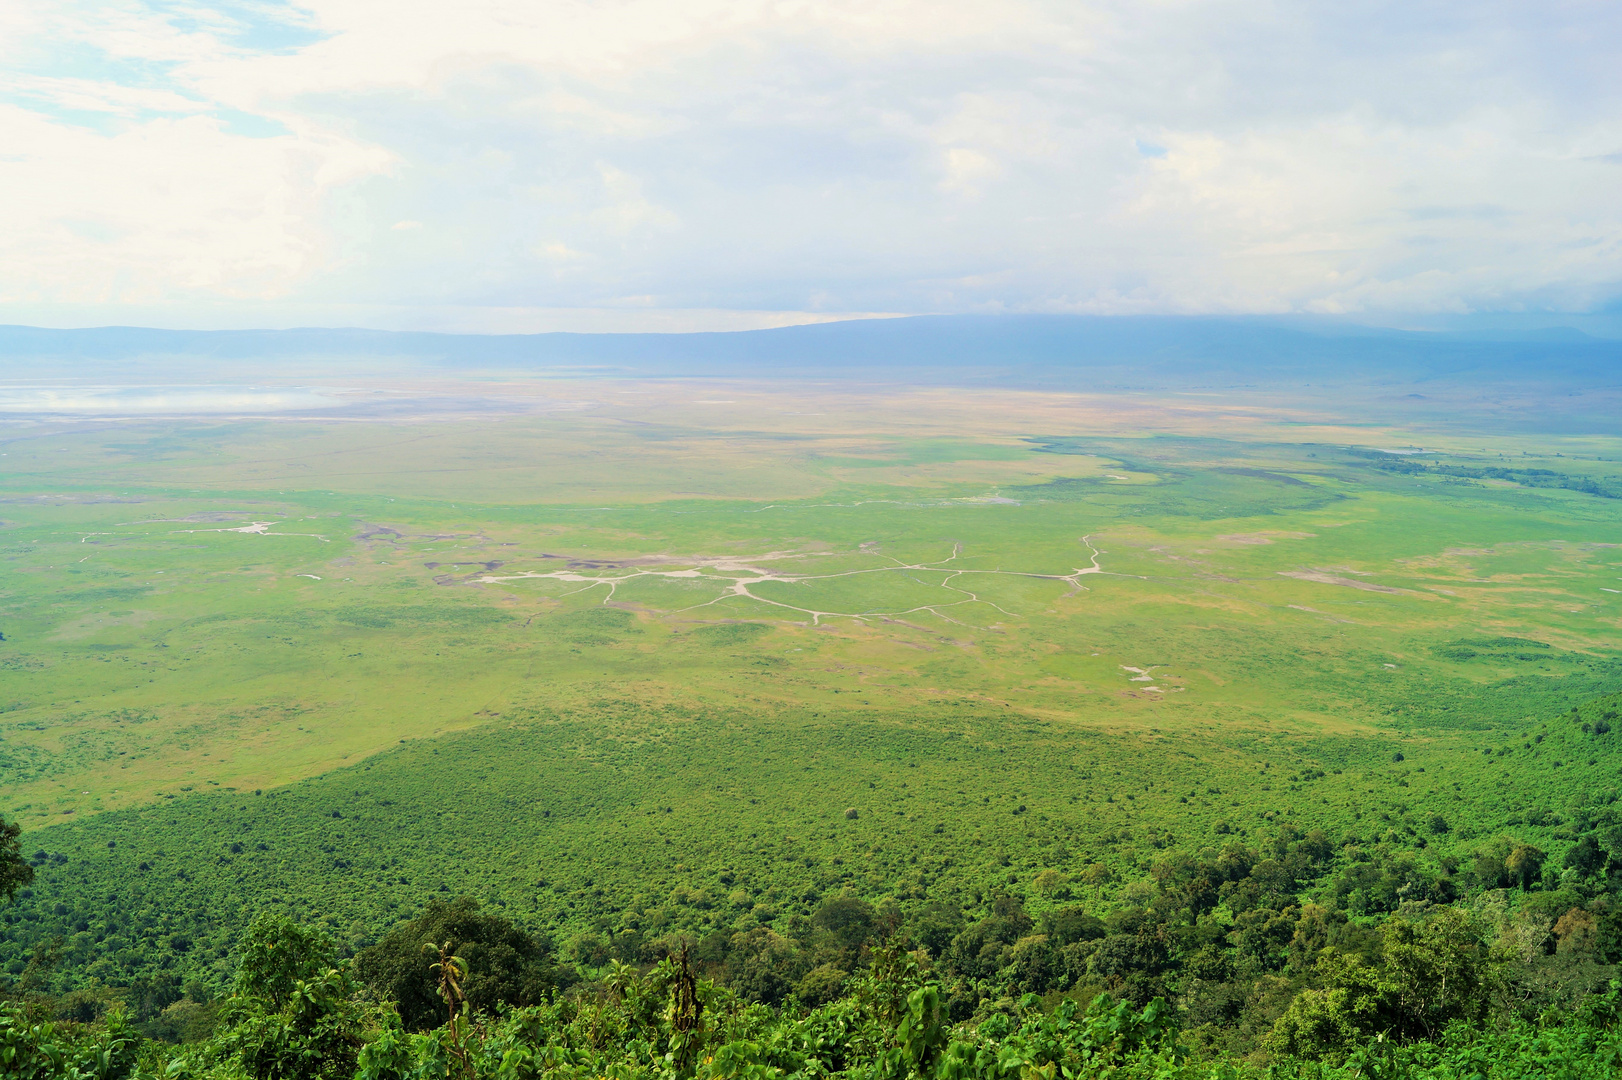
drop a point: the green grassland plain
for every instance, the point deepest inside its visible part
(624, 662)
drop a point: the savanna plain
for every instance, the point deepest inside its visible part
(1023, 697)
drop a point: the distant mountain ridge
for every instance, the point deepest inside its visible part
(1047, 351)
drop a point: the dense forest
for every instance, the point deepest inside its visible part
(1285, 954)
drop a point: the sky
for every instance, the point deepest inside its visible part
(525, 165)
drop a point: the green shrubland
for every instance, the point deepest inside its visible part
(1283, 949)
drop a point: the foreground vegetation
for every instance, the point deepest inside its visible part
(1286, 958)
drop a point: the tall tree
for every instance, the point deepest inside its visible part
(502, 964)
(14, 869)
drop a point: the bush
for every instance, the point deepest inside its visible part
(821, 985)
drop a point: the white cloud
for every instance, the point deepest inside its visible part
(789, 155)
(93, 95)
(168, 208)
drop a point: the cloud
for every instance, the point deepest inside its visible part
(886, 155)
(99, 96)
